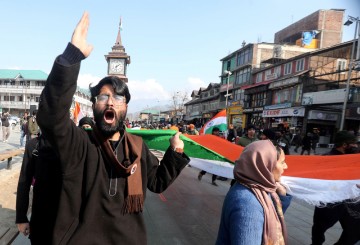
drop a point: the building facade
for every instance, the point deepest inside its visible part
(20, 91)
(328, 25)
(307, 92)
(242, 64)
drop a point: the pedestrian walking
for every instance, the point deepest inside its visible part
(5, 126)
(23, 128)
(306, 144)
(253, 208)
(40, 168)
(215, 131)
(346, 212)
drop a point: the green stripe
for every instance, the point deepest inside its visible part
(221, 127)
(159, 140)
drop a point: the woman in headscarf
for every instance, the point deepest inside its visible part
(253, 208)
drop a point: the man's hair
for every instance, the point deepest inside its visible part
(34, 112)
(215, 129)
(251, 126)
(344, 137)
(270, 134)
(117, 83)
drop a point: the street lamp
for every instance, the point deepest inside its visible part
(227, 87)
(347, 23)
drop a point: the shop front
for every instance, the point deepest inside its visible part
(352, 117)
(236, 116)
(207, 116)
(254, 116)
(286, 118)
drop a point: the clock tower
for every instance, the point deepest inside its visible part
(117, 59)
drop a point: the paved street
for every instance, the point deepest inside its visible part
(189, 211)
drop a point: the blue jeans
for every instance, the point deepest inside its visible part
(22, 135)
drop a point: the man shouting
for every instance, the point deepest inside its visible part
(106, 171)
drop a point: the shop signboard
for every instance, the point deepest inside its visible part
(324, 97)
(286, 112)
(323, 115)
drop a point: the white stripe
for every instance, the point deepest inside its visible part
(318, 192)
(219, 168)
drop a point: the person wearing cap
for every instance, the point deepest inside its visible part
(107, 171)
(268, 134)
(346, 212)
(192, 130)
(86, 123)
(249, 137)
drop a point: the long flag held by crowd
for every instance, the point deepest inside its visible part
(313, 179)
(219, 121)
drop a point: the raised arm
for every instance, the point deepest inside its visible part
(80, 34)
(57, 96)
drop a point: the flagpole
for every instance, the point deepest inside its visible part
(227, 92)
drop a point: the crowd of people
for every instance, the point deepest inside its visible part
(90, 181)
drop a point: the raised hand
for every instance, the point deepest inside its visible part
(80, 34)
(176, 142)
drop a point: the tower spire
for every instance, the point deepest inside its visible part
(118, 47)
(118, 38)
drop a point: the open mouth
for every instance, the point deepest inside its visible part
(109, 116)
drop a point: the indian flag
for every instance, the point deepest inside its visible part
(219, 121)
(316, 180)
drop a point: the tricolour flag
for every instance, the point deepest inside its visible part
(316, 179)
(219, 121)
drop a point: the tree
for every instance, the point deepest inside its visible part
(178, 99)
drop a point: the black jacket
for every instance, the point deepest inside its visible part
(40, 167)
(87, 213)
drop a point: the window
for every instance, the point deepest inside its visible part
(258, 99)
(277, 71)
(7, 98)
(20, 98)
(243, 57)
(287, 68)
(259, 77)
(300, 64)
(243, 76)
(341, 65)
(268, 73)
(287, 95)
(37, 98)
(239, 96)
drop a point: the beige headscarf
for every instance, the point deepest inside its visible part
(254, 170)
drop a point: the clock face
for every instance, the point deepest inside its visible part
(116, 66)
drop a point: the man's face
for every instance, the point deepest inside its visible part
(109, 110)
(251, 132)
(351, 148)
(216, 133)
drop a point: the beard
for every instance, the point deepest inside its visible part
(106, 129)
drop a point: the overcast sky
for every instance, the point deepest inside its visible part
(174, 45)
